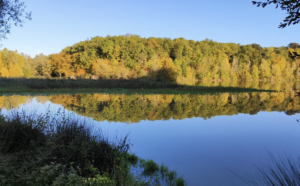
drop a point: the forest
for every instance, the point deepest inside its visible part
(174, 60)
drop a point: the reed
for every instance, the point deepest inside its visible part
(279, 171)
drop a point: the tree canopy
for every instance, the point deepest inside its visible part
(291, 6)
(179, 60)
(11, 11)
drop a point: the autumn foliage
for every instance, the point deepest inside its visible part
(178, 60)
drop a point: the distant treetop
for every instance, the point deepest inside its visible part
(293, 45)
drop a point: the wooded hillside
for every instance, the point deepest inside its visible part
(179, 60)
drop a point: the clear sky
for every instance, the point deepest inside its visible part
(57, 24)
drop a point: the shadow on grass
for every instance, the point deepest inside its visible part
(113, 86)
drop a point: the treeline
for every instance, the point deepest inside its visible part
(178, 60)
(16, 65)
(134, 108)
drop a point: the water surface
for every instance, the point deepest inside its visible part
(209, 139)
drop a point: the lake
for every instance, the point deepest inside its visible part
(208, 139)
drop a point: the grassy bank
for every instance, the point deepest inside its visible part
(64, 152)
(134, 86)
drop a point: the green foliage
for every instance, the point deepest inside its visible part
(159, 175)
(255, 72)
(132, 158)
(210, 60)
(99, 181)
(150, 167)
(59, 151)
(180, 61)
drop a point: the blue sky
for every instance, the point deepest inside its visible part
(57, 24)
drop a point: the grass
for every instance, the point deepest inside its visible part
(281, 171)
(133, 86)
(43, 150)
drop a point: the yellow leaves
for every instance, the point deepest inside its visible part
(101, 97)
(296, 105)
(224, 69)
(225, 63)
(188, 79)
(15, 70)
(4, 72)
(255, 72)
(122, 72)
(224, 98)
(276, 72)
(2, 101)
(10, 102)
(289, 106)
(13, 64)
(60, 64)
(280, 61)
(152, 44)
(277, 98)
(80, 73)
(114, 62)
(20, 61)
(263, 96)
(288, 72)
(248, 76)
(1, 63)
(168, 71)
(265, 71)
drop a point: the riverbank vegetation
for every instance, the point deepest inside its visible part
(41, 151)
(172, 60)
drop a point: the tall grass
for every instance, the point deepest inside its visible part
(44, 150)
(280, 171)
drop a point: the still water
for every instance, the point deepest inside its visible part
(208, 139)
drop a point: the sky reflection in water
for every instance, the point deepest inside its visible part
(205, 152)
